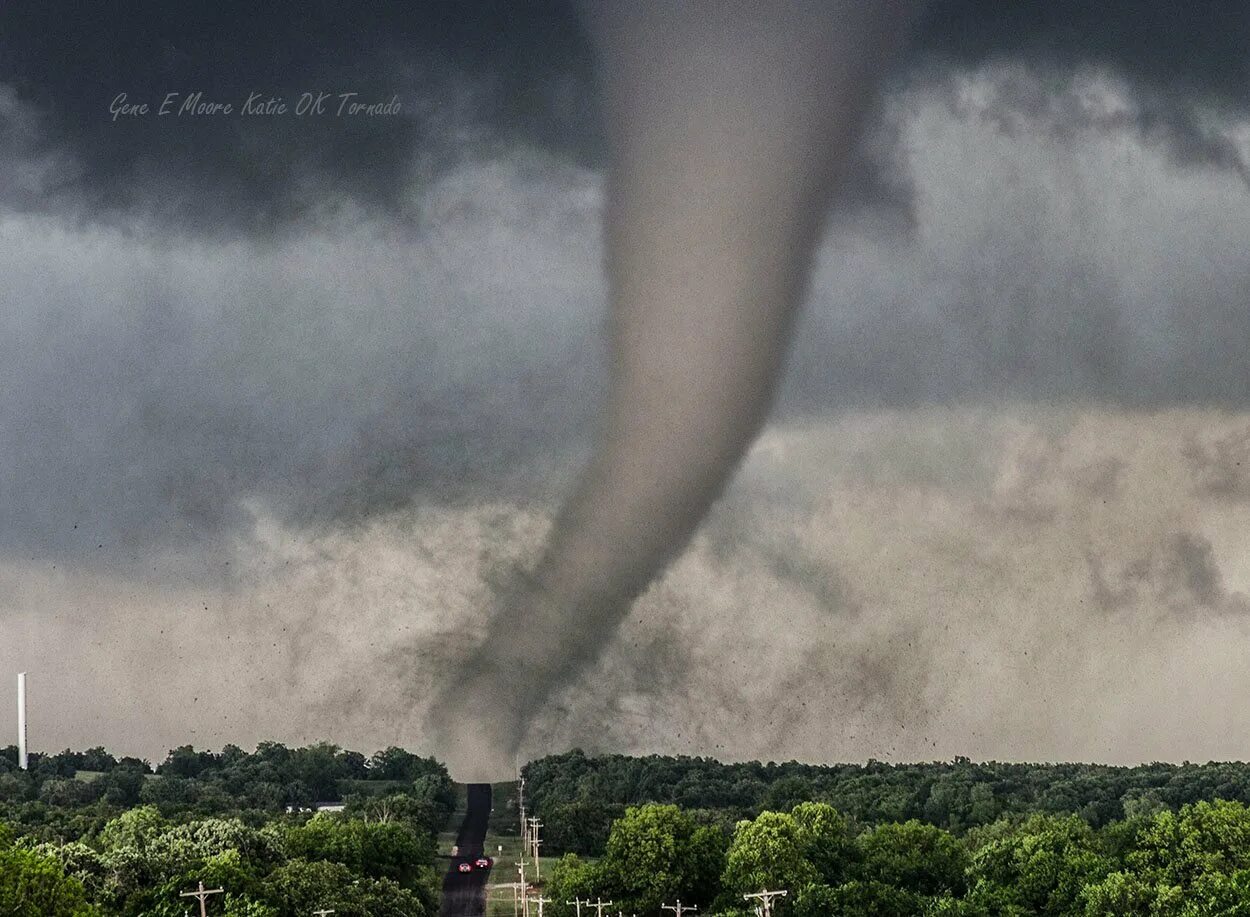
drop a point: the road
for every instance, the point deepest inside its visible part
(464, 893)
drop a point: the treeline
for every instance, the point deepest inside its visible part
(73, 793)
(1192, 863)
(139, 864)
(89, 835)
(579, 796)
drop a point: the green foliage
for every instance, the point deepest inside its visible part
(300, 887)
(133, 828)
(1040, 866)
(578, 796)
(573, 878)
(913, 856)
(768, 852)
(381, 850)
(831, 846)
(656, 854)
(1209, 837)
(858, 897)
(34, 885)
(121, 842)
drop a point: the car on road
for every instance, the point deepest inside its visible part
(465, 866)
(482, 862)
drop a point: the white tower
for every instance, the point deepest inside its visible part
(21, 721)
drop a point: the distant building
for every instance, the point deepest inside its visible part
(319, 807)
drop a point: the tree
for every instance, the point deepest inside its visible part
(830, 846)
(389, 850)
(787, 793)
(1041, 866)
(570, 879)
(1206, 837)
(121, 786)
(855, 898)
(97, 759)
(134, 828)
(394, 763)
(300, 887)
(656, 853)
(920, 858)
(769, 852)
(1124, 894)
(34, 885)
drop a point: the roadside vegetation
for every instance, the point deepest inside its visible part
(83, 834)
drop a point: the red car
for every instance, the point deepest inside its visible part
(483, 862)
(465, 866)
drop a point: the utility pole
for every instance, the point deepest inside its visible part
(535, 843)
(678, 909)
(202, 893)
(599, 906)
(525, 889)
(540, 901)
(764, 907)
(577, 903)
(323, 912)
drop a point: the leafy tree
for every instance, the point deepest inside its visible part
(914, 856)
(300, 887)
(121, 786)
(1123, 894)
(769, 852)
(388, 850)
(1206, 837)
(133, 828)
(1040, 867)
(34, 885)
(97, 759)
(855, 898)
(788, 792)
(657, 853)
(572, 878)
(830, 845)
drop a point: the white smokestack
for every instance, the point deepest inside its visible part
(21, 721)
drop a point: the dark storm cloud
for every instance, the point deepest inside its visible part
(480, 73)
(450, 346)
(1178, 48)
(517, 66)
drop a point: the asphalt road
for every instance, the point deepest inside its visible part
(464, 893)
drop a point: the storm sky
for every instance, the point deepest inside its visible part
(284, 401)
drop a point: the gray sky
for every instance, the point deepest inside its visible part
(264, 383)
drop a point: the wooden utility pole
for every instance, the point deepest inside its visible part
(202, 893)
(599, 906)
(525, 889)
(534, 842)
(540, 901)
(577, 903)
(764, 899)
(678, 909)
(323, 912)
